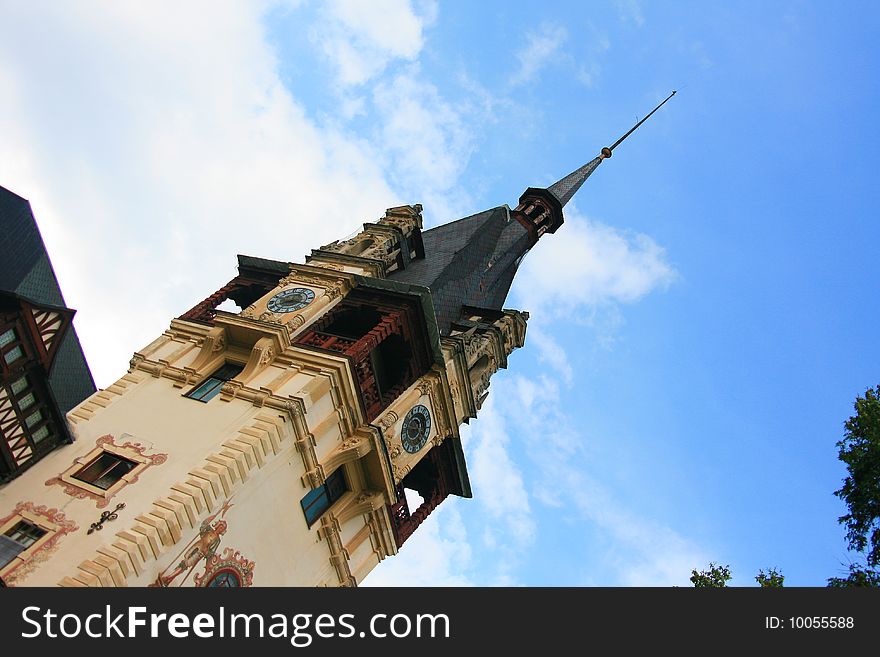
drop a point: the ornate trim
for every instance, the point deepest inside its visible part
(57, 525)
(83, 490)
(230, 561)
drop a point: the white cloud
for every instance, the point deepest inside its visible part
(540, 49)
(497, 481)
(551, 353)
(592, 264)
(438, 554)
(638, 551)
(162, 130)
(630, 11)
(361, 38)
(427, 142)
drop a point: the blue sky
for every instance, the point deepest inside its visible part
(699, 326)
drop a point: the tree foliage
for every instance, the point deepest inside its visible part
(860, 451)
(858, 576)
(715, 577)
(772, 579)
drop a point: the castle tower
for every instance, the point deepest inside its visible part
(273, 446)
(43, 373)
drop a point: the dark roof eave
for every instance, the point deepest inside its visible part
(423, 294)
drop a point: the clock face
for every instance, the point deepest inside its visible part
(287, 301)
(415, 430)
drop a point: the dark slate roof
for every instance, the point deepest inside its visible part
(263, 264)
(469, 262)
(25, 269)
(567, 187)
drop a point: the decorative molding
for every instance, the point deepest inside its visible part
(389, 420)
(339, 557)
(83, 490)
(366, 501)
(56, 525)
(350, 449)
(219, 344)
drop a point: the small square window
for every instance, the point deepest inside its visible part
(27, 401)
(33, 418)
(317, 501)
(18, 385)
(18, 539)
(210, 387)
(6, 337)
(13, 355)
(40, 434)
(26, 533)
(105, 470)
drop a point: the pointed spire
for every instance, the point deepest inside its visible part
(563, 190)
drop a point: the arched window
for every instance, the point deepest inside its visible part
(360, 247)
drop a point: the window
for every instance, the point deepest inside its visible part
(40, 434)
(7, 337)
(10, 346)
(210, 387)
(30, 426)
(18, 539)
(317, 501)
(18, 385)
(105, 470)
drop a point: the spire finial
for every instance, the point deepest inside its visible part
(606, 152)
(563, 190)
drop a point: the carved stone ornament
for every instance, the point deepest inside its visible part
(474, 345)
(333, 292)
(297, 278)
(295, 322)
(270, 317)
(395, 452)
(351, 442)
(388, 421)
(294, 409)
(267, 356)
(219, 343)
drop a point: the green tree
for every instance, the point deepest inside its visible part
(858, 576)
(715, 577)
(772, 579)
(860, 451)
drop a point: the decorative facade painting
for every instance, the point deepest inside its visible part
(228, 570)
(55, 525)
